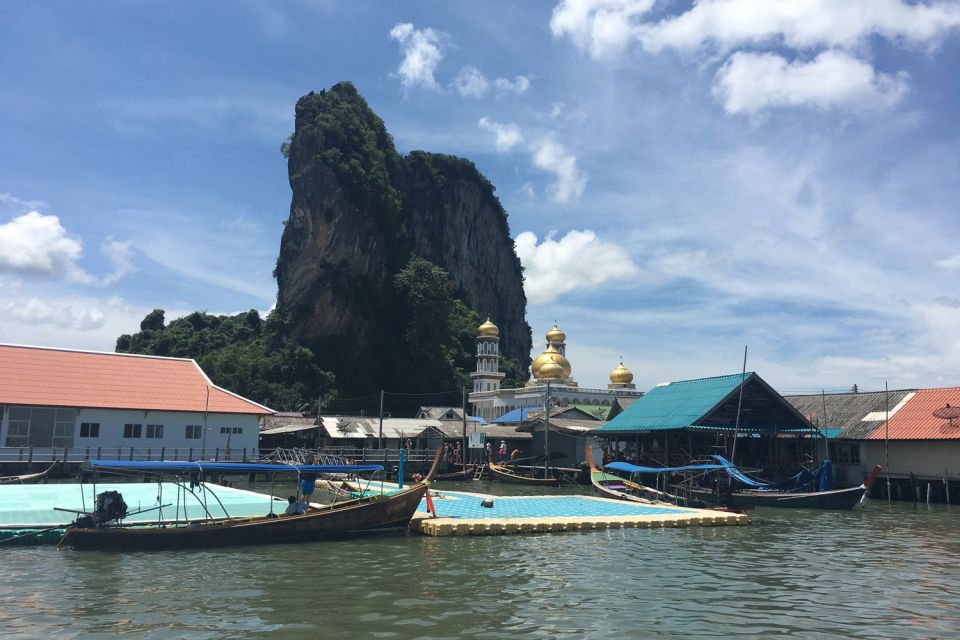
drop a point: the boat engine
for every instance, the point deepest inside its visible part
(109, 507)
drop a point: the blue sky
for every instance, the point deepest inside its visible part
(682, 178)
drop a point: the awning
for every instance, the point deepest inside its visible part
(156, 466)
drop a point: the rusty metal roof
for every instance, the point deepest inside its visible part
(915, 421)
(856, 415)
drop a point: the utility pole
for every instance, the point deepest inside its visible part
(546, 435)
(463, 404)
(380, 441)
(886, 438)
(736, 429)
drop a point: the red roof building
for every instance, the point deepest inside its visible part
(88, 379)
(96, 403)
(915, 420)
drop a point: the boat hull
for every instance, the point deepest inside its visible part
(465, 474)
(838, 499)
(363, 516)
(500, 474)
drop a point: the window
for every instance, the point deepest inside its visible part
(132, 430)
(89, 429)
(845, 453)
(238, 429)
(224, 429)
(41, 427)
(194, 431)
(154, 430)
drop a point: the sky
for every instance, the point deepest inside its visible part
(683, 179)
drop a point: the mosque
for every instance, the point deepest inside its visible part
(550, 369)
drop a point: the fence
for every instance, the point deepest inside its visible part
(30, 455)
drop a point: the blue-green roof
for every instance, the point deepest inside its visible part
(674, 406)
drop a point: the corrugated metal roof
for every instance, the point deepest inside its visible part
(517, 415)
(915, 421)
(563, 425)
(854, 415)
(675, 405)
(92, 379)
(369, 427)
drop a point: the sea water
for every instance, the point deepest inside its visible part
(884, 572)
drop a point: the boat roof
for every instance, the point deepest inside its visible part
(632, 468)
(227, 467)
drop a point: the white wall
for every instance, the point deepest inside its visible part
(174, 429)
(924, 458)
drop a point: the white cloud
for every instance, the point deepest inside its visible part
(551, 156)
(578, 260)
(799, 24)
(518, 85)
(17, 205)
(508, 136)
(471, 83)
(950, 264)
(422, 52)
(602, 27)
(120, 256)
(751, 82)
(35, 243)
(34, 311)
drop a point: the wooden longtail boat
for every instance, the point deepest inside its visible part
(504, 474)
(465, 474)
(836, 499)
(611, 486)
(366, 514)
(27, 478)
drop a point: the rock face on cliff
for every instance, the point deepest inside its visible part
(359, 211)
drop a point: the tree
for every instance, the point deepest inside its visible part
(153, 321)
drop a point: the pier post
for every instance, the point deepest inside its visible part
(131, 453)
(163, 453)
(245, 454)
(30, 456)
(20, 454)
(190, 452)
(946, 484)
(914, 489)
(928, 494)
(66, 455)
(149, 453)
(86, 454)
(98, 452)
(216, 455)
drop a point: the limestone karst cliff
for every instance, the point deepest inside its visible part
(359, 211)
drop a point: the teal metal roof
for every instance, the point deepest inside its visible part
(676, 405)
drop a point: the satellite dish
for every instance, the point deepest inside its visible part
(947, 412)
(950, 414)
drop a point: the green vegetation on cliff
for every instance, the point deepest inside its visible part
(241, 353)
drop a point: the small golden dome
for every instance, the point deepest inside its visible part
(550, 357)
(488, 329)
(621, 375)
(551, 371)
(556, 335)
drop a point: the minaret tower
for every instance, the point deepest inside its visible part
(487, 377)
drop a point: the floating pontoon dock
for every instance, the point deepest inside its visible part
(462, 514)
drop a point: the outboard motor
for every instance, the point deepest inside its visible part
(110, 507)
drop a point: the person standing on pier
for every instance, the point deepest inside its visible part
(502, 451)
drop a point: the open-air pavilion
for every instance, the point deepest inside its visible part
(687, 420)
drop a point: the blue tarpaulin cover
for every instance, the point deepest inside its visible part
(632, 468)
(227, 467)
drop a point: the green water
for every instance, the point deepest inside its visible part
(880, 573)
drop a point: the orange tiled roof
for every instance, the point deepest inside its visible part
(88, 379)
(915, 420)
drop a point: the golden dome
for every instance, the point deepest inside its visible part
(550, 357)
(621, 375)
(556, 335)
(488, 329)
(551, 371)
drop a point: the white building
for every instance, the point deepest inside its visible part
(551, 373)
(112, 405)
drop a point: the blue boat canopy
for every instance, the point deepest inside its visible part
(227, 467)
(632, 468)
